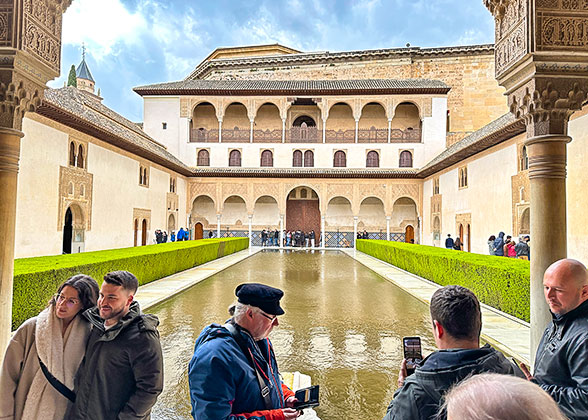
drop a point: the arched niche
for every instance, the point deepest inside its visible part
(339, 214)
(204, 209)
(234, 208)
(341, 117)
(266, 212)
(371, 213)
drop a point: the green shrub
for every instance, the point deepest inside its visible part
(36, 279)
(500, 282)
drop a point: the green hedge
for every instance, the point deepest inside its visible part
(37, 279)
(500, 282)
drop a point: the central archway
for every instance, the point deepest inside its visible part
(303, 211)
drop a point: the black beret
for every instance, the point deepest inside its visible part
(264, 297)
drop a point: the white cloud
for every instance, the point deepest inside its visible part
(101, 25)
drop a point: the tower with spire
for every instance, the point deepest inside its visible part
(84, 77)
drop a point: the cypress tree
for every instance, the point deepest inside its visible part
(72, 79)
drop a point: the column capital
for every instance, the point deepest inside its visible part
(388, 218)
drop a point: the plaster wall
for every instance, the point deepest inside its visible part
(577, 185)
(156, 112)
(43, 150)
(488, 197)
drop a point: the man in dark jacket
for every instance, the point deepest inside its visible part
(233, 373)
(449, 242)
(499, 245)
(457, 322)
(561, 366)
(122, 372)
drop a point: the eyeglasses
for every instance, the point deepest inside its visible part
(271, 318)
(69, 302)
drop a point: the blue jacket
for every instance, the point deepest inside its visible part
(449, 243)
(499, 244)
(224, 385)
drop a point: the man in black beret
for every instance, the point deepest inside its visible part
(233, 373)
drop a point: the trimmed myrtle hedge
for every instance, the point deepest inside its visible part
(500, 282)
(37, 279)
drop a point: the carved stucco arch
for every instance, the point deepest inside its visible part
(229, 195)
(365, 197)
(383, 104)
(78, 220)
(288, 189)
(414, 199)
(197, 102)
(412, 102)
(269, 102)
(347, 102)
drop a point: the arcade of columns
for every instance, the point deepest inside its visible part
(541, 56)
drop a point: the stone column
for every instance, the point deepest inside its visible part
(220, 131)
(281, 244)
(324, 131)
(323, 236)
(251, 132)
(388, 227)
(218, 225)
(547, 176)
(355, 219)
(356, 130)
(250, 217)
(389, 130)
(9, 155)
(284, 130)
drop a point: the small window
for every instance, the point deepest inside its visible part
(80, 156)
(172, 185)
(463, 177)
(372, 160)
(267, 158)
(340, 159)
(143, 176)
(235, 158)
(436, 186)
(72, 154)
(303, 193)
(203, 158)
(405, 159)
(309, 159)
(164, 125)
(297, 159)
(524, 159)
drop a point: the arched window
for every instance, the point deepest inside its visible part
(405, 159)
(339, 160)
(81, 156)
(297, 159)
(524, 159)
(72, 154)
(372, 160)
(235, 158)
(267, 158)
(203, 158)
(309, 159)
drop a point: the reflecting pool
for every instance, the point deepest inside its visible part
(343, 326)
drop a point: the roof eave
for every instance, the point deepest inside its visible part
(276, 92)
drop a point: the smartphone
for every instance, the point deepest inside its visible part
(307, 397)
(412, 353)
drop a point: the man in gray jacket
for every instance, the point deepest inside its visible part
(457, 322)
(122, 372)
(561, 366)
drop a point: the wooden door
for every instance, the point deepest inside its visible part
(198, 231)
(409, 234)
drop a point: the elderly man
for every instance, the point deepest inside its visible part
(561, 366)
(233, 373)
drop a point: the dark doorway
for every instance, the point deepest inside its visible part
(469, 240)
(303, 212)
(409, 234)
(144, 232)
(67, 232)
(198, 231)
(304, 119)
(136, 232)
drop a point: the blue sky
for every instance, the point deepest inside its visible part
(135, 42)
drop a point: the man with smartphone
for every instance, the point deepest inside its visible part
(560, 365)
(457, 323)
(233, 374)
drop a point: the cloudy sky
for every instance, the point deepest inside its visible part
(135, 42)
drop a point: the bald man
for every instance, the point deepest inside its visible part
(561, 364)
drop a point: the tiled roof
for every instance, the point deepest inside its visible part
(83, 72)
(292, 87)
(326, 57)
(500, 129)
(304, 172)
(83, 112)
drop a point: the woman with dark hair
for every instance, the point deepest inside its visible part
(42, 359)
(491, 240)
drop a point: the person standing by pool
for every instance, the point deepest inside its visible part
(233, 374)
(55, 339)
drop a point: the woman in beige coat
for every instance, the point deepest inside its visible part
(57, 339)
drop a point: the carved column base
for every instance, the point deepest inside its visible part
(547, 175)
(9, 155)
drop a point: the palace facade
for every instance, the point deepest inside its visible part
(406, 144)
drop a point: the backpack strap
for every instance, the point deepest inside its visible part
(57, 384)
(265, 391)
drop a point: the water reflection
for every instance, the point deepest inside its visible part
(343, 326)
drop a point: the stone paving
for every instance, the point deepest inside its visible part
(505, 332)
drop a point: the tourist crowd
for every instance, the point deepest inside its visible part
(290, 238)
(93, 355)
(162, 237)
(500, 246)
